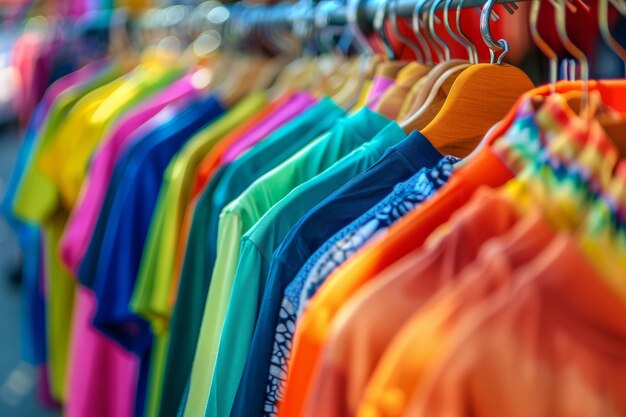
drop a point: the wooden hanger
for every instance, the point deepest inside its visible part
(349, 93)
(480, 96)
(297, 75)
(611, 91)
(341, 76)
(243, 82)
(435, 99)
(270, 72)
(419, 94)
(326, 67)
(391, 101)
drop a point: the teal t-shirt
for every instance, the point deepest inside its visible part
(241, 214)
(257, 247)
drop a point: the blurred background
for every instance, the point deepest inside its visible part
(43, 40)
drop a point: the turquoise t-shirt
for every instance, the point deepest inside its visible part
(257, 247)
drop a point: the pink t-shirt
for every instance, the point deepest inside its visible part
(297, 103)
(380, 84)
(102, 376)
(84, 216)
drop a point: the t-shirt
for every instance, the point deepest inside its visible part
(150, 296)
(257, 247)
(405, 197)
(340, 208)
(127, 226)
(256, 128)
(406, 357)
(366, 325)
(229, 181)
(102, 376)
(456, 253)
(242, 213)
(559, 333)
(164, 124)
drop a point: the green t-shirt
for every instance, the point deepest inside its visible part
(257, 247)
(228, 182)
(247, 209)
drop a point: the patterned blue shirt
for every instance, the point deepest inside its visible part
(404, 198)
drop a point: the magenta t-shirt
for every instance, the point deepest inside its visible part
(296, 104)
(380, 84)
(102, 376)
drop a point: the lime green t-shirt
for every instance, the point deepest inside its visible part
(36, 194)
(247, 209)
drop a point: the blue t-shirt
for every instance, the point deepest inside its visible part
(128, 222)
(125, 215)
(346, 204)
(33, 307)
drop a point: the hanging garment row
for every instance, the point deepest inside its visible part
(212, 232)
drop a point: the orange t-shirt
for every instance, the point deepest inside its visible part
(552, 346)
(426, 332)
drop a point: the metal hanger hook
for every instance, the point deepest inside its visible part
(542, 44)
(560, 16)
(431, 25)
(352, 17)
(485, 31)
(379, 27)
(415, 23)
(417, 12)
(603, 23)
(393, 15)
(461, 37)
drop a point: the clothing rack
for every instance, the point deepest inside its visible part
(307, 13)
(340, 14)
